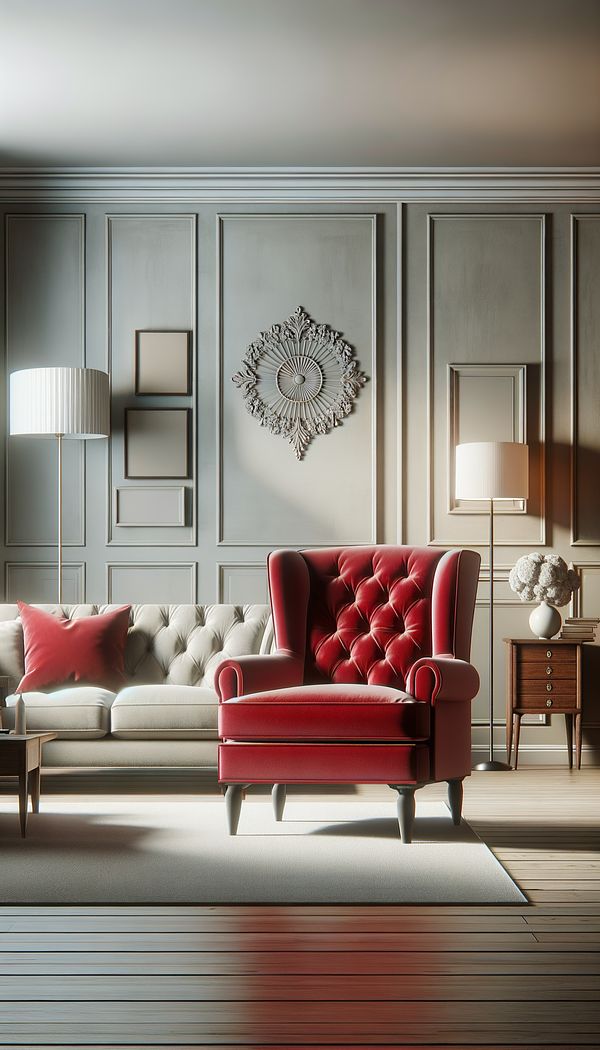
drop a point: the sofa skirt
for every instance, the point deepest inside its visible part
(109, 752)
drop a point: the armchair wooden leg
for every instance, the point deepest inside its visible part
(405, 805)
(278, 796)
(455, 800)
(233, 806)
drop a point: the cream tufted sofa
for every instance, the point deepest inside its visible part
(166, 714)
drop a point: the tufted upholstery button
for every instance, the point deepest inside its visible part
(370, 617)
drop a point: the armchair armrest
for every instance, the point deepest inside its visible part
(252, 674)
(436, 678)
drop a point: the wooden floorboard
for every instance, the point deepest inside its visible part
(364, 977)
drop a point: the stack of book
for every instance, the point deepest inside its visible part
(579, 628)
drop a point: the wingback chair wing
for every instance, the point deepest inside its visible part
(370, 681)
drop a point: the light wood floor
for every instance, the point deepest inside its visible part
(346, 976)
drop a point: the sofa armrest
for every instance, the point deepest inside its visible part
(252, 674)
(435, 678)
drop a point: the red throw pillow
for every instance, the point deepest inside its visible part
(58, 651)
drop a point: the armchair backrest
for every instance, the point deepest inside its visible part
(366, 614)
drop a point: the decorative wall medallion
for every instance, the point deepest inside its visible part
(299, 379)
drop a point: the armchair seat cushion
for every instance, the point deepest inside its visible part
(326, 713)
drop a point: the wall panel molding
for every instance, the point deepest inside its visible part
(576, 539)
(370, 390)
(230, 572)
(181, 577)
(37, 581)
(114, 537)
(254, 185)
(517, 377)
(173, 513)
(462, 217)
(401, 443)
(75, 450)
(587, 571)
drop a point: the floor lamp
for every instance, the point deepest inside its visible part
(492, 470)
(60, 403)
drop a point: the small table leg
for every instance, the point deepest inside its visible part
(35, 789)
(23, 800)
(509, 736)
(569, 729)
(578, 738)
(517, 729)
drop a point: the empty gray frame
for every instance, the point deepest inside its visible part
(163, 363)
(157, 442)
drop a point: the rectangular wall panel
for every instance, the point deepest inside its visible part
(45, 309)
(585, 264)
(485, 403)
(150, 507)
(37, 582)
(242, 583)
(269, 266)
(485, 303)
(161, 583)
(151, 285)
(587, 598)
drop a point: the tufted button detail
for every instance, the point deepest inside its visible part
(370, 617)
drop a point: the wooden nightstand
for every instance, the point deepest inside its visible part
(543, 678)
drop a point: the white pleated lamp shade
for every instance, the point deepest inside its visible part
(492, 470)
(73, 402)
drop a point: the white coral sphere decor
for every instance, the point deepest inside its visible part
(543, 578)
(547, 579)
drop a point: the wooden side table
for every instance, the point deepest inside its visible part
(543, 677)
(21, 756)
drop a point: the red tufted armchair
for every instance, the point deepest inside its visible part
(371, 681)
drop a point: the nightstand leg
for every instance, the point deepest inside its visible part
(509, 735)
(23, 801)
(517, 730)
(578, 738)
(569, 729)
(35, 789)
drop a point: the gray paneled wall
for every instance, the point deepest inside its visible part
(471, 321)
(270, 265)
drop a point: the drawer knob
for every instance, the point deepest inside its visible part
(549, 686)
(548, 670)
(549, 653)
(548, 702)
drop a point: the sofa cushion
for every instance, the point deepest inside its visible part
(58, 651)
(165, 712)
(77, 713)
(325, 712)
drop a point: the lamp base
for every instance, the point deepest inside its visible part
(492, 766)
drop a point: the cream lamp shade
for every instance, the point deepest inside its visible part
(72, 402)
(492, 470)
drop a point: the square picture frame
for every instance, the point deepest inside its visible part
(163, 362)
(157, 443)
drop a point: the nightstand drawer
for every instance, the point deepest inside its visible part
(549, 703)
(539, 654)
(541, 687)
(547, 671)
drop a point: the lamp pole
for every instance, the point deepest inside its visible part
(491, 764)
(491, 471)
(59, 438)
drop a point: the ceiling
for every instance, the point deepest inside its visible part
(299, 83)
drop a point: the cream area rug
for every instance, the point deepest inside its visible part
(100, 850)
